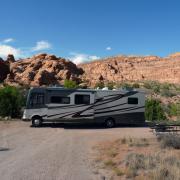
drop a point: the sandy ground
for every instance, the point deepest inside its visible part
(61, 152)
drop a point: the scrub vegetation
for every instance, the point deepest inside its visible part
(70, 84)
(11, 101)
(133, 158)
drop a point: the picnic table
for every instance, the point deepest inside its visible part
(163, 128)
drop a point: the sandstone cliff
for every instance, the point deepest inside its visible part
(124, 68)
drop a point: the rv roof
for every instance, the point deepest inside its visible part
(80, 90)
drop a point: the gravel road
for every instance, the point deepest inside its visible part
(53, 152)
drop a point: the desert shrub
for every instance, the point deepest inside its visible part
(153, 85)
(154, 110)
(163, 172)
(112, 153)
(170, 141)
(124, 85)
(11, 101)
(99, 85)
(118, 172)
(174, 109)
(135, 85)
(70, 84)
(147, 85)
(110, 85)
(166, 86)
(167, 92)
(123, 140)
(157, 166)
(135, 161)
(109, 163)
(139, 142)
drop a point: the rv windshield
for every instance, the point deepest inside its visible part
(36, 99)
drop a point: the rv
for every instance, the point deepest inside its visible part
(111, 107)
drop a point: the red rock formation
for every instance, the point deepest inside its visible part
(10, 59)
(46, 69)
(41, 70)
(124, 68)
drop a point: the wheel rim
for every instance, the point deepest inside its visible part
(110, 123)
(37, 122)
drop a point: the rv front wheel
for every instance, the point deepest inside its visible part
(110, 123)
(36, 122)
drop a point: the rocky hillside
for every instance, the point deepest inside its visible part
(44, 69)
(41, 70)
(124, 68)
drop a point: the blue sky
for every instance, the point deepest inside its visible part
(89, 29)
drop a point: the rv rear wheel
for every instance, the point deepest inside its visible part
(36, 122)
(110, 123)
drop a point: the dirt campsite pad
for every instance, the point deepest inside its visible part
(56, 152)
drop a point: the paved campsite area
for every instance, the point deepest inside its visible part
(54, 152)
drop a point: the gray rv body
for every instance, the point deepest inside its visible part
(85, 105)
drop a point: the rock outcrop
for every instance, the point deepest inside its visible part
(126, 68)
(42, 70)
(10, 59)
(4, 70)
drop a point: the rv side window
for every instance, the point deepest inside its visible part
(60, 100)
(37, 99)
(132, 100)
(82, 99)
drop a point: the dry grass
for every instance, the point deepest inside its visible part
(170, 141)
(118, 171)
(158, 166)
(130, 158)
(109, 163)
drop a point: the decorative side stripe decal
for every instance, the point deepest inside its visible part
(110, 107)
(123, 109)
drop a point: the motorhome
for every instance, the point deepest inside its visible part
(111, 107)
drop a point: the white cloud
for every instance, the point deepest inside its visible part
(78, 58)
(41, 45)
(22, 52)
(6, 49)
(108, 48)
(8, 40)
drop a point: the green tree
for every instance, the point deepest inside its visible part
(70, 84)
(99, 85)
(154, 110)
(11, 101)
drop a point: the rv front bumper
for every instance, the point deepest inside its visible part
(25, 119)
(25, 116)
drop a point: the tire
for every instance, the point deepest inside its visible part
(36, 122)
(110, 123)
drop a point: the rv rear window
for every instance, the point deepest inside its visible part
(132, 100)
(60, 100)
(82, 99)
